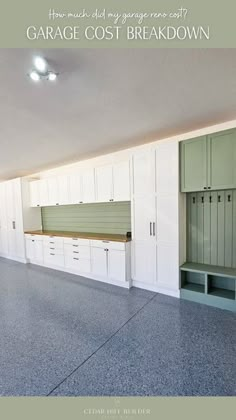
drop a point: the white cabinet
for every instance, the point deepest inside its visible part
(53, 191)
(99, 262)
(43, 192)
(104, 183)
(75, 189)
(111, 260)
(144, 218)
(116, 265)
(3, 221)
(113, 182)
(15, 216)
(63, 189)
(34, 249)
(88, 185)
(35, 193)
(121, 181)
(155, 217)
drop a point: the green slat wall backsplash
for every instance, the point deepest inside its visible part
(211, 233)
(97, 218)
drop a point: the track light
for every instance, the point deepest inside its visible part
(41, 71)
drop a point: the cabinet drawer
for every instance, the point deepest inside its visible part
(54, 260)
(53, 240)
(76, 241)
(48, 250)
(79, 264)
(109, 245)
(75, 249)
(34, 237)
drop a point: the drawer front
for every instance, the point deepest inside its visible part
(120, 246)
(77, 241)
(54, 260)
(79, 264)
(53, 240)
(33, 237)
(51, 250)
(77, 250)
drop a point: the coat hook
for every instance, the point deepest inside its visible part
(194, 200)
(219, 198)
(202, 199)
(229, 197)
(210, 199)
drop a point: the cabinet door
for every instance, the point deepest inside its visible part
(3, 221)
(38, 251)
(144, 262)
(121, 181)
(222, 160)
(63, 189)
(53, 192)
(99, 262)
(34, 194)
(116, 265)
(43, 192)
(194, 164)
(75, 189)
(30, 249)
(144, 173)
(104, 183)
(144, 218)
(88, 185)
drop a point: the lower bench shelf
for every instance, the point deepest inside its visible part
(211, 285)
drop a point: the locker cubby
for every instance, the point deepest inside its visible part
(194, 282)
(219, 286)
(208, 284)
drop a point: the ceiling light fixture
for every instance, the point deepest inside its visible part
(41, 71)
(34, 76)
(40, 64)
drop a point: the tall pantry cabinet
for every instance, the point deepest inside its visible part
(15, 217)
(155, 218)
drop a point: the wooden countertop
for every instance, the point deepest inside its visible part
(85, 235)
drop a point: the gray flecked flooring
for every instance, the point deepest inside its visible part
(65, 335)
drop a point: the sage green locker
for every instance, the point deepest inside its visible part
(200, 228)
(193, 154)
(207, 228)
(234, 229)
(222, 160)
(221, 228)
(213, 228)
(192, 228)
(228, 228)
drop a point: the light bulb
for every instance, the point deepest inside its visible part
(52, 76)
(40, 64)
(34, 76)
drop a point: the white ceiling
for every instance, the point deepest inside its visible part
(107, 99)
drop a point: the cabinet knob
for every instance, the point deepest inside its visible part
(205, 188)
(80, 202)
(209, 188)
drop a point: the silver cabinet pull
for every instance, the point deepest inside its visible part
(51, 253)
(13, 224)
(150, 228)
(76, 246)
(75, 252)
(76, 259)
(154, 228)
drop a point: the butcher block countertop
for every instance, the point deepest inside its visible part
(85, 235)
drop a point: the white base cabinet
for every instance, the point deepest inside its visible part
(106, 261)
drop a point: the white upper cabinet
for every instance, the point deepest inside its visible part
(144, 173)
(43, 192)
(75, 189)
(104, 183)
(35, 194)
(53, 191)
(63, 189)
(88, 185)
(121, 181)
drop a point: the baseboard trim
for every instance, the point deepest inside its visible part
(21, 260)
(156, 288)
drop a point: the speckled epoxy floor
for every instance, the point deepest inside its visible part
(65, 335)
